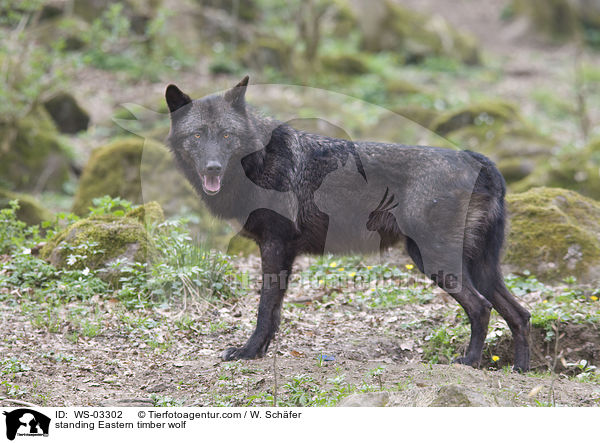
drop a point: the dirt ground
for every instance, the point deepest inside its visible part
(171, 357)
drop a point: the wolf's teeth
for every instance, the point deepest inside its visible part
(211, 184)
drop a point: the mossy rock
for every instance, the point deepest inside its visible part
(139, 12)
(31, 211)
(515, 168)
(556, 19)
(419, 114)
(388, 26)
(32, 154)
(112, 170)
(485, 113)
(554, 233)
(239, 245)
(497, 129)
(265, 51)
(398, 86)
(149, 214)
(578, 170)
(68, 28)
(97, 242)
(345, 64)
(68, 116)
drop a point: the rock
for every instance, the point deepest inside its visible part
(345, 64)
(418, 114)
(556, 19)
(70, 29)
(366, 399)
(138, 12)
(388, 26)
(488, 113)
(111, 170)
(97, 242)
(578, 170)
(32, 155)
(31, 211)
(260, 51)
(554, 233)
(451, 396)
(149, 214)
(497, 129)
(68, 116)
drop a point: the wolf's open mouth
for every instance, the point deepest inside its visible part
(211, 184)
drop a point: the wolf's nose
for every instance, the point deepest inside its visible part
(213, 167)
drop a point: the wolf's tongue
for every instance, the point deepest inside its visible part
(212, 183)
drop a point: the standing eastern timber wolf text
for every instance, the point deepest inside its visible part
(296, 192)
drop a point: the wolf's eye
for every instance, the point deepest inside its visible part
(197, 135)
(225, 135)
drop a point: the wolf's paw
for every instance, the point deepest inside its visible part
(239, 354)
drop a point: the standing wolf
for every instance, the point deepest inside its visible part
(295, 192)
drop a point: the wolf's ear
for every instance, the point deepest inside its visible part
(236, 95)
(175, 98)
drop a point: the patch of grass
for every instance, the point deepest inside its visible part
(12, 365)
(164, 401)
(375, 286)
(442, 344)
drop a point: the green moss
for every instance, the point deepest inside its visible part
(148, 214)
(419, 114)
(346, 64)
(265, 51)
(392, 27)
(97, 241)
(554, 233)
(32, 155)
(484, 114)
(112, 170)
(556, 19)
(515, 168)
(239, 245)
(398, 86)
(578, 170)
(30, 210)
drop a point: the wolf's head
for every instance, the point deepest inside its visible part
(209, 134)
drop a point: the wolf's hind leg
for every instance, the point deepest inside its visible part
(478, 310)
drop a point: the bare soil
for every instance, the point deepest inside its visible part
(146, 357)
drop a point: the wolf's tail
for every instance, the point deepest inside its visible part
(483, 260)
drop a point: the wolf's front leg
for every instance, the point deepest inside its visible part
(277, 259)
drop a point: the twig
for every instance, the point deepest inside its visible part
(19, 402)
(554, 377)
(275, 370)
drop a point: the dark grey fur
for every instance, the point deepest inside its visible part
(295, 192)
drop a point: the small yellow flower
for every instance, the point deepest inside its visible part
(351, 274)
(594, 298)
(409, 266)
(369, 267)
(321, 282)
(545, 301)
(495, 358)
(333, 264)
(341, 269)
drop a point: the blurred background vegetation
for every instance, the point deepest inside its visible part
(518, 80)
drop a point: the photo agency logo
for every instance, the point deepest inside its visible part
(24, 422)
